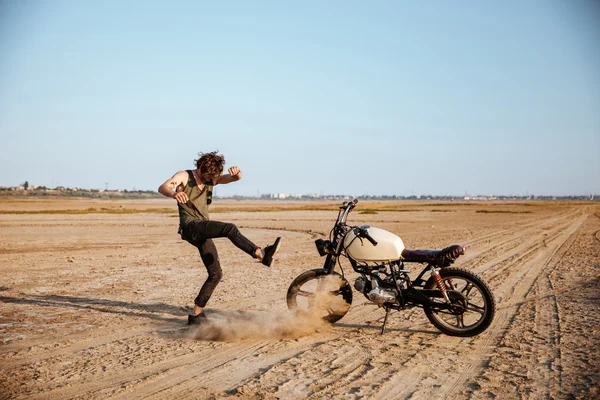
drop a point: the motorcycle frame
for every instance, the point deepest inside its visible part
(413, 295)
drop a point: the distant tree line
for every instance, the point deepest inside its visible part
(25, 190)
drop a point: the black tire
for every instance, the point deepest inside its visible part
(301, 296)
(479, 307)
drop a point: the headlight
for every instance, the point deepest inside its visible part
(324, 247)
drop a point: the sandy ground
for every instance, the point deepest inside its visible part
(94, 306)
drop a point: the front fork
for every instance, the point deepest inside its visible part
(329, 265)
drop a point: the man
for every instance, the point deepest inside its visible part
(193, 191)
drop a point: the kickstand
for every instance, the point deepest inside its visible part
(387, 312)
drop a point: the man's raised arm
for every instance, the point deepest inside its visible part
(235, 174)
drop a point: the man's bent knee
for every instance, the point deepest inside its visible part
(215, 275)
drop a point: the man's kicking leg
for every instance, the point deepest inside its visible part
(197, 230)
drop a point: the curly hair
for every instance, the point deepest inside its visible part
(210, 163)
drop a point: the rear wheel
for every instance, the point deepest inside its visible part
(473, 303)
(316, 291)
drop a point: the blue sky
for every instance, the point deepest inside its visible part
(382, 97)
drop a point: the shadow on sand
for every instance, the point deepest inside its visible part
(221, 325)
(151, 311)
(387, 329)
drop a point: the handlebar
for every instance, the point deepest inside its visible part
(347, 207)
(370, 239)
(361, 231)
(350, 204)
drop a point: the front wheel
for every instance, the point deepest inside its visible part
(316, 291)
(473, 305)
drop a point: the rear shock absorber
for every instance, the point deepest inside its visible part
(439, 282)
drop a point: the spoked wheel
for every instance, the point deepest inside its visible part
(473, 303)
(315, 291)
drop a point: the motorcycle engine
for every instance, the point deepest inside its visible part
(374, 292)
(361, 284)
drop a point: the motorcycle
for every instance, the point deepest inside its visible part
(455, 300)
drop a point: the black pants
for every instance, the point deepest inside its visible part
(199, 233)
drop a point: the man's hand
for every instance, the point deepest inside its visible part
(235, 172)
(181, 197)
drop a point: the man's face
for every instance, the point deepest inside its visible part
(210, 179)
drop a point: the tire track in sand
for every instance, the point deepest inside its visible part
(520, 285)
(451, 374)
(239, 367)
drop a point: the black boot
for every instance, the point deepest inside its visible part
(197, 319)
(270, 252)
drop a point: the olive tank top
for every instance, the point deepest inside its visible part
(197, 206)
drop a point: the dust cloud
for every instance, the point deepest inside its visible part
(305, 320)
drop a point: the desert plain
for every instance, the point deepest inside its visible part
(94, 297)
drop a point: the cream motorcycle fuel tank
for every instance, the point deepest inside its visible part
(389, 246)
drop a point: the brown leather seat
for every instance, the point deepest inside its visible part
(441, 258)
